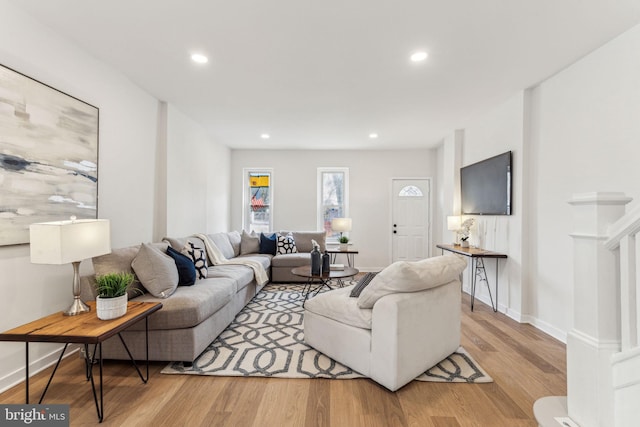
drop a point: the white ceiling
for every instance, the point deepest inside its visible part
(324, 74)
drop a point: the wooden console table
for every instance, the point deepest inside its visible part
(84, 329)
(477, 269)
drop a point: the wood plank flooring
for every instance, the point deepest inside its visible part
(526, 364)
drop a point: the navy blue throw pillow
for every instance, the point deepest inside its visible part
(186, 268)
(268, 243)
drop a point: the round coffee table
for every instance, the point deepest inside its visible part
(324, 278)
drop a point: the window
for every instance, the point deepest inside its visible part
(333, 198)
(257, 213)
(410, 191)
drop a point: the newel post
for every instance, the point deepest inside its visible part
(595, 333)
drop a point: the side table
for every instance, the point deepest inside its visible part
(83, 329)
(350, 254)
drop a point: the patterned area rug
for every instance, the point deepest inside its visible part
(266, 340)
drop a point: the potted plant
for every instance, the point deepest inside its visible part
(465, 232)
(344, 243)
(111, 301)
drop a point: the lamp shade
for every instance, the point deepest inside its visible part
(453, 223)
(63, 242)
(341, 224)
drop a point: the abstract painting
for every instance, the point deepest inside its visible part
(48, 156)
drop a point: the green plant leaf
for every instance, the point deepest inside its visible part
(113, 285)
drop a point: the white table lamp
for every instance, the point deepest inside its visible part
(341, 225)
(454, 224)
(63, 242)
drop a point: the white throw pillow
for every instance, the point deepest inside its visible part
(198, 257)
(156, 271)
(286, 244)
(404, 276)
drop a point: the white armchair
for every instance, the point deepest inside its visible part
(403, 323)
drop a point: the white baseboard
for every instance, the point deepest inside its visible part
(484, 298)
(545, 327)
(16, 377)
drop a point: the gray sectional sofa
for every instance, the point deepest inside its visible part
(193, 316)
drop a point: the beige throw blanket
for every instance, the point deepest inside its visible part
(217, 258)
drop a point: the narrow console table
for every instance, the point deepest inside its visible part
(84, 329)
(477, 269)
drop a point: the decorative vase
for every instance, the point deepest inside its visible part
(111, 308)
(326, 262)
(316, 262)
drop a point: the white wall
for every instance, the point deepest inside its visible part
(197, 178)
(370, 173)
(585, 137)
(132, 186)
(126, 144)
(449, 161)
(576, 132)
(500, 130)
(495, 132)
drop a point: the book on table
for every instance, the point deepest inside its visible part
(336, 267)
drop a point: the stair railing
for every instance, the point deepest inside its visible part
(623, 235)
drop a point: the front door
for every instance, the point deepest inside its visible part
(410, 219)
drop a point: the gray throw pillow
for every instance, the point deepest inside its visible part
(235, 239)
(119, 261)
(249, 243)
(156, 271)
(221, 240)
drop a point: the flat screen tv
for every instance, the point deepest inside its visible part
(485, 187)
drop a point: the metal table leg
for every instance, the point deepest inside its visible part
(480, 271)
(307, 289)
(99, 405)
(26, 369)
(53, 373)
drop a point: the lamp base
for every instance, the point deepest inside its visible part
(78, 307)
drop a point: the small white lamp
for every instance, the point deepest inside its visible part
(341, 225)
(63, 242)
(453, 224)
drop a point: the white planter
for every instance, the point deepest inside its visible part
(344, 246)
(111, 308)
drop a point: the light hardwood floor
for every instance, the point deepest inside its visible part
(525, 364)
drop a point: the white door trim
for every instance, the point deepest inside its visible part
(429, 225)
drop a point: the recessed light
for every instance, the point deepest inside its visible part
(199, 58)
(373, 135)
(265, 136)
(419, 56)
